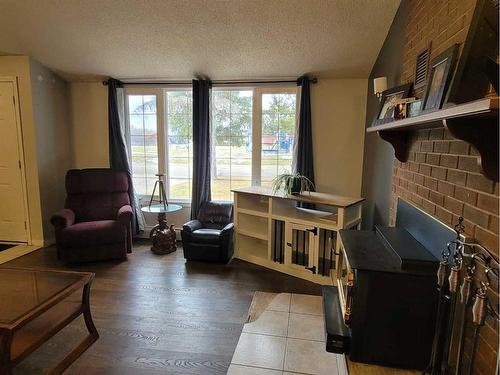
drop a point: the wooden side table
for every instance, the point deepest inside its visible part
(36, 304)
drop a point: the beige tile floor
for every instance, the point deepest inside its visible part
(286, 338)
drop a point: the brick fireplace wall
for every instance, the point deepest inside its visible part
(442, 175)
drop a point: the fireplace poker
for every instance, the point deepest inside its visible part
(465, 293)
(478, 317)
(451, 297)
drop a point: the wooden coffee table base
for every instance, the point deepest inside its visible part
(35, 328)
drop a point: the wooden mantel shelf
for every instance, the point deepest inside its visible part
(475, 122)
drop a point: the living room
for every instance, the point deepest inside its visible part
(280, 187)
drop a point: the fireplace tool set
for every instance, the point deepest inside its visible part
(477, 267)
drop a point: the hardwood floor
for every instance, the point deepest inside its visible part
(158, 314)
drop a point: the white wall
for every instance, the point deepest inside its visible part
(89, 121)
(50, 95)
(338, 116)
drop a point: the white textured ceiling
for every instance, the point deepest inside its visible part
(177, 39)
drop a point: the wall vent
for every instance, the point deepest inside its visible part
(421, 68)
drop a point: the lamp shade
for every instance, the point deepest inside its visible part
(379, 85)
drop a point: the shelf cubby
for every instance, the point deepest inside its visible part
(252, 247)
(252, 226)
(258, 205)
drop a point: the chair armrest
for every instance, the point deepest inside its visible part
(192, 225)
(227, 229)
(125, 214)
(63, 219)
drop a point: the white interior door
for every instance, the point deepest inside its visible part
(13, 218)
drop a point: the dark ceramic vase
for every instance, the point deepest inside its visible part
(296, 186)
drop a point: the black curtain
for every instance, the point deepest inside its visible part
(304, 163)
(118, 158)
(201, 145)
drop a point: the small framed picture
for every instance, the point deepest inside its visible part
(414, 108)
(441, 71)
(402, 108)
(388, 103)
(400, 111)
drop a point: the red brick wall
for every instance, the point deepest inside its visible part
(442, 175)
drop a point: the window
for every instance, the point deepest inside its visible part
(278, 135)
(160, 127)
(231, 141)
(253, 132)
(143, 141)
(179, 152)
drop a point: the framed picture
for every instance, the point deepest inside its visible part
(388, 103)
(477, 66)
(441, 70)
(414, 108)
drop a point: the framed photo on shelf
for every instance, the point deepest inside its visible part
(414, 108)
(477, 67)
(388, 103)
(441, 71)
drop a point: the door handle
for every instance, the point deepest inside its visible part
(312, 269)
(289, 244)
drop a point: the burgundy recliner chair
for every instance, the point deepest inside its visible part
(96, 221)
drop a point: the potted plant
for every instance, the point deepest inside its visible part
(292, 183)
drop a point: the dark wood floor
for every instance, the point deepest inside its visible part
(158, 314)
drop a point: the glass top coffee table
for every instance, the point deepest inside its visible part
(35, 305)
(162, 236)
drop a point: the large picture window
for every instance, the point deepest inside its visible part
(179, 151)
(231, 141)
(252, 132)
(278, 135)
(142, 116)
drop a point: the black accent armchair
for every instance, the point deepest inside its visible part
(210, 237)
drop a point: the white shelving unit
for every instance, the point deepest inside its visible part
(272, 232)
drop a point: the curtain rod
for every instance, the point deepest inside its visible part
(214, 83)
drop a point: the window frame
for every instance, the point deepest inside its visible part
(235, 88)
(257, 125)
(162, 124)
(161, 128)
(166, 171)
(150, 91)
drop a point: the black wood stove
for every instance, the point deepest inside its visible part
(382, 309)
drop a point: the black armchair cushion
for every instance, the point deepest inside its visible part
(206, 235)
(215, 215)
